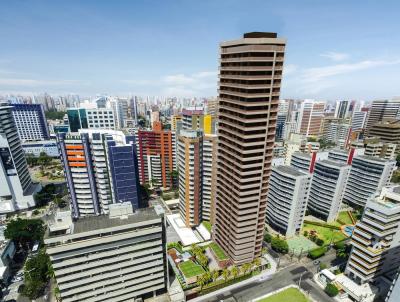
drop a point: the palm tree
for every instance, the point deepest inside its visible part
(201, 281)
(57, 294)
(264, 250)
(246, 267)
(214, 275)
(256, 262)
(207, 277)
(234, 272)
(225, 274)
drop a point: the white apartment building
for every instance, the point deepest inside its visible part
(16, 187)
(209, 175)
(376, 238)
(36, 148)
(327, 189)
(287, 199)
(368, 175)
(115, 257)
(358, 120)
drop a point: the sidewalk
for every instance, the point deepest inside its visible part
(263, 276)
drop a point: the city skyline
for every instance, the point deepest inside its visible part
(170, 49)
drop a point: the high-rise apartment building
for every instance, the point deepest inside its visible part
(287, 199)
(358, 120)
(30, 122)
(193, 118)
(157, 157)
(100, 168)
(209, 176)
(311, 114)
(115, 257)
(249, 87)
(174, 120)
(16, 187)
(327, 189)
(342, 109)
(91, 118)
(190, 163)
(368, 175)
(336, 131)
(376, 238)
(382, 109)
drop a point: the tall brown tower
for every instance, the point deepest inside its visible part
(249, 87)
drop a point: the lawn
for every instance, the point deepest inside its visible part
(326, 234)
(288, 295)
(218, 251)
(344, 216)
(207, 225)
(190, 269)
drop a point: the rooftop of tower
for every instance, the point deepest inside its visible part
(259, 34)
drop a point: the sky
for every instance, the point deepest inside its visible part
(335, 49)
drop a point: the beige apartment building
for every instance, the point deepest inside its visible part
(249, 88)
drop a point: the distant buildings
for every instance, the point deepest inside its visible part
(358, 120)
(174, 120)
(115, 257)
(375, 241)
(249, 87)
(311, 114)
(327, 189)
(16, 189)
(195, 119)
(100, 168)
(91, 118)
(287, 199)
(368, 175)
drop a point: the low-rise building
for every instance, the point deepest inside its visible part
(115, 257)
(38, 147)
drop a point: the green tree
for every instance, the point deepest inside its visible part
(398, 160)
(54, 115)
(36, 273)
(267, 237)
(225, 274)
(25, 232)
(331, 290)
(279, 245)
(200, 282)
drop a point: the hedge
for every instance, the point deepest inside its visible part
(331, 290)
(316, 253)
(325, 225)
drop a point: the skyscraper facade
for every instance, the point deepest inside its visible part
(249, 87)
(311, 114)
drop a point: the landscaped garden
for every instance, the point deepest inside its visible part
(288, 295)
(218, 251)
(190, 269)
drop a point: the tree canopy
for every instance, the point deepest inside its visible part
(279, 245)
(25, 232)
(37, 273)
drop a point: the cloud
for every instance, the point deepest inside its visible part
(316, 74)
(201, 83)
(34, 83)
(335, 56)
(137, 82)
(289, 69)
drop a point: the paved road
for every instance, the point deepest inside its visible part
(289, 275)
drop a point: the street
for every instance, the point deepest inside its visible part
(289, 275)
